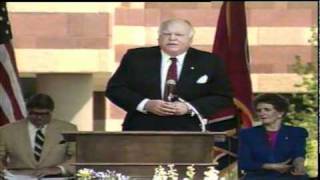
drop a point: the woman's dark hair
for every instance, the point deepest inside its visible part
(41, 101)
(279, 102)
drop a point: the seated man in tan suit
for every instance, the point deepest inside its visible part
(35, 146)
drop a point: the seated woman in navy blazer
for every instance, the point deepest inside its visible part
(272, 150)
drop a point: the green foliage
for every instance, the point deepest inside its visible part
(304, 106)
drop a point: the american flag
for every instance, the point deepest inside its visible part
(12, 106)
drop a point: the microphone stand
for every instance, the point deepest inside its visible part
(202, 120)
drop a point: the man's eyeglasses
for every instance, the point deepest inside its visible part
(33, 113)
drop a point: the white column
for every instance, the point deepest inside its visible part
(72, 94)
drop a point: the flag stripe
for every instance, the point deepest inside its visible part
(12, 102)
(22, 112)
(12, 105)
(6, 111)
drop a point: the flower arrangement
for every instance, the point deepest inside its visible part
(171, 174)
(90, 174)
(160, 173)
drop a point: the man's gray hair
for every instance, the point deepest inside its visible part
(165, 24)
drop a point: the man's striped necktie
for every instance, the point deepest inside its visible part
(39, 140)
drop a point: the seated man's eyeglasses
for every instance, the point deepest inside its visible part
(34, 113)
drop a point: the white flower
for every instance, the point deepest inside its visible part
(190, 172)
(172, 173)
(85, 173)
(160, 174)
(211, 174)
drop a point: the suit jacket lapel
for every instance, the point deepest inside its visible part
(264, 140)
(49, 141)
(282, 136)
(186, 70)
(155, 68)
(25, 143)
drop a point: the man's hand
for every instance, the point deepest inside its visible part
(46, 171)
(180, 108)
(160, 107)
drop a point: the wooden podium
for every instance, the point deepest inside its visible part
(138, 153)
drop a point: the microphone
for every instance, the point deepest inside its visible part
(171, 87)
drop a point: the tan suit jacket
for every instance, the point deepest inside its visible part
(15, 145)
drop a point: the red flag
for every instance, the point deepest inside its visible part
(12, 106)
(232, 47)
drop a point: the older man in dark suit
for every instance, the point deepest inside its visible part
(142, 83)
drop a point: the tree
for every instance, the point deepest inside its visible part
(304, 106)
